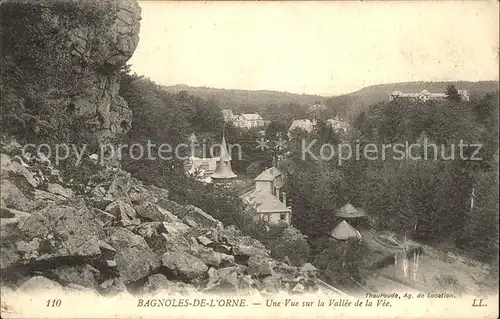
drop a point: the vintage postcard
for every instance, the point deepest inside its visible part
(246, 159)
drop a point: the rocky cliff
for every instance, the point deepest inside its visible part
(60, 65)
(122, 236)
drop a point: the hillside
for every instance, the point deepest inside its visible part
(245, 100)
(88, 225)
(352, 102)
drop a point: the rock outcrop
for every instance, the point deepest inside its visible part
(62, 69)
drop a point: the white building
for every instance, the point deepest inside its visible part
(196, 165)
(316, 107)
(248, 120)
(306, 125)
(338, 125)
(424, 96)
(268, 199)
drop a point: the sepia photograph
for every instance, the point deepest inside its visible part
(249, 159)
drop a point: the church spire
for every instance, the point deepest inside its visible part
(224, 154)
(223, 168)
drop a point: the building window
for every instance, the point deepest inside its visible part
(283, 216)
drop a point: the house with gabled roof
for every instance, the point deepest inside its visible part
(338, 125)
(304, 124)
(267, 198)
(248, 120)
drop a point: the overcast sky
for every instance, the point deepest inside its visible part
(323, 48)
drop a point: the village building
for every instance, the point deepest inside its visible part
(354, 216)
(248, 120)
(207, 170)
(317, 107)
(303, 124)
(204, 166)
(268, 199)
(338, 125)
(424, 96)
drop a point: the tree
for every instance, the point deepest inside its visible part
(480, 234)
(291, 244)
(429, 198)
(342, 262)
(452, 93)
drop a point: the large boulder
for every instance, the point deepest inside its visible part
(9, 217)
(176, 243)
(173, 207)
(201, 218)
(214, 258)
(83, 275)
(12, 196)
(242, 246)
(134, 259)
(59, 232)
(154, 212)
(120, 209)
(224, 280)
(99, 198)
(138, 193)
(18, 171)
(120, 185)
(184, 265)
(103, 218)
(43, 199)
(152, 234)
(9, 233)
(60, 190)
(163, 236)
(259, 266)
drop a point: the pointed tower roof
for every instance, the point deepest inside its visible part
(344, 231)
(224, 154)
(223, 168)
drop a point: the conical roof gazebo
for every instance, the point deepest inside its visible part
(349, 211)
(344, 231)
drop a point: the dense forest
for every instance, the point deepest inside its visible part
(246, 101)
(428, 200)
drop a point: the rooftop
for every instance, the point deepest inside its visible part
(269, 174)
(266, 202)
(250, 116)
(306, 125)
(349, 211)
(344, 231)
